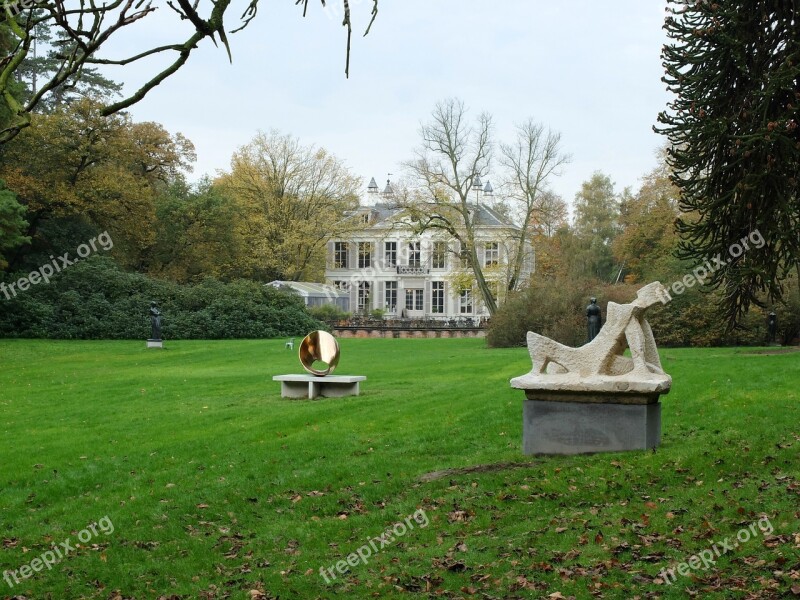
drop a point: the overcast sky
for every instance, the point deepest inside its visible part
(589, 69)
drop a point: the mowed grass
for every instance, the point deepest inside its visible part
(219, 488)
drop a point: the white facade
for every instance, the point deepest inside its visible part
(387, 266)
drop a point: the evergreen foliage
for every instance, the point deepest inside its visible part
(735, 143)
(12, 223)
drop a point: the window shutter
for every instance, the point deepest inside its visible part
(353, 297)
(380, 301)
(426, 299)
(352, 255)
(331, 247)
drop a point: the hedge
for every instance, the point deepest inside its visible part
(95, 299)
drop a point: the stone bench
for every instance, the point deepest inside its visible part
(309, 386)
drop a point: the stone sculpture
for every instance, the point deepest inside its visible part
(594, 398)
(600, 365)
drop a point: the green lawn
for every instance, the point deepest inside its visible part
(216, 487)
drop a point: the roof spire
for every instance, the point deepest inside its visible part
(388, 190)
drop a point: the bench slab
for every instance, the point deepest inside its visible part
(330, 386)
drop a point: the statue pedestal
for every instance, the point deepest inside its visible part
(572, 426)
(155, 344)
(563, 416)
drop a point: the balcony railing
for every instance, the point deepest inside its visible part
(412, 270)
(429, 322)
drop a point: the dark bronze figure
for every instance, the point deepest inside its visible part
(593, 319)
(155, 322)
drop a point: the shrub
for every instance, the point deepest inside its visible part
(556, 308)
(328, 312)
(94, 299)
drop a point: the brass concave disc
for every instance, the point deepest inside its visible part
(319, 346)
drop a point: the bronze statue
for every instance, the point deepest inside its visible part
(593, 318)
(155, 321)
(772, 325)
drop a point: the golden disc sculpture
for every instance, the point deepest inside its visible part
(319, 346)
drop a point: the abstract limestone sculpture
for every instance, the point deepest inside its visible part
(593, 398)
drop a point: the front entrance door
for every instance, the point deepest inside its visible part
(415, 302)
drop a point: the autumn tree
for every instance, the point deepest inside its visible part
(196, 234)
(549, 226)
(82, 33)
(293, 199)
(78, 169)
(735, 140)
(647, 239)
(453, 156)
(551, 214)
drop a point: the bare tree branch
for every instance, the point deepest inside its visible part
(534, 157)
(83, 31)
(453, 155)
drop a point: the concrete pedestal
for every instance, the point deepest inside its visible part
(309, 386)
(582, 423)
(155, 344)
(571, 426)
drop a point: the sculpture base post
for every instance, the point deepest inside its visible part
(311, 387)
(586, 422)
(154, 343)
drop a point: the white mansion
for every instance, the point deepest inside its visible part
(386, 266)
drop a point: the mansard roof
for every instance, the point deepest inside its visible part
(387, 213)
